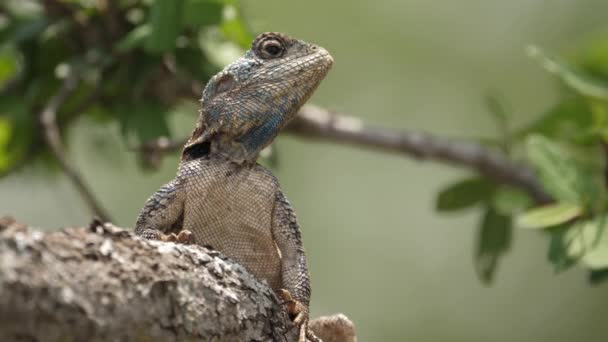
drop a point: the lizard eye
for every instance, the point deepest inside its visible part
(271, 48)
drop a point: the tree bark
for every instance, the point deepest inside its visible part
(103, 283)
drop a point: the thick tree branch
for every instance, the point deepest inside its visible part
(51, 135)
(104, 284)
(317, 123)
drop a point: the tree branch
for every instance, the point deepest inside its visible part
(318, 123)
(52, 137)
(314, 122)
(104, 284)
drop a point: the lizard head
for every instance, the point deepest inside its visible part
(246, 105)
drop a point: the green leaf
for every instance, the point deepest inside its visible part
(497, 108)
(549, 215)
(571, 119)
(582, 242)
(8, 65)
(134, 39)
(464, 194)
(202, 12)
(29, 30)
(144, 122)
(558, 249)
(598, 276)
(589, 242)
(557, 170)
(509, 200)
(593, 57)
(574, 79)
(166, 24)
(600, 118)
(5, 136)
(234, 28)
(493, 240)
(16, 133)
(194, 62)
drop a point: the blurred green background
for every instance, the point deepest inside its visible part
(378, 252)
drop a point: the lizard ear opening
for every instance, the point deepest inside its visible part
(198, 145)
(224, 83)
(195, 151)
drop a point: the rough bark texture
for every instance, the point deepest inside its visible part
(103, 283)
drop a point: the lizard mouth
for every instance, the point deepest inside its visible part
(293, 81)
(326, 57)
(312, 67)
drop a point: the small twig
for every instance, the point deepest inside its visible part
(318, 123)
(48, 121)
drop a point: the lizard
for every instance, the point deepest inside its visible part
(221, 197)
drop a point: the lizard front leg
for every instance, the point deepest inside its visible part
(294, 270)
(162, 215)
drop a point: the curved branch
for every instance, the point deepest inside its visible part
(50, 132)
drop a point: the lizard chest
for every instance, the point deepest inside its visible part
(229, 207)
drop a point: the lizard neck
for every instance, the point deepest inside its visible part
(236, 140)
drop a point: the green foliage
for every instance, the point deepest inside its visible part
(567, 147)
(510, 201)
(563, 177)
(568, 120)
(549, 215)
(589, 243)
(16, 133)
(581, 83)
(558, 249)
(203, 12)
(495, 229)
(493, 240)
(165, 25)
(143, 121)
(137, 60)
(464, 194)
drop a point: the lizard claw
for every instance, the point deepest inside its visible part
(298, 313)
(185, 237)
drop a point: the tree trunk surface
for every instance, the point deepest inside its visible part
(102, 283)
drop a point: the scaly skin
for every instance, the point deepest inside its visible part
(221, 197)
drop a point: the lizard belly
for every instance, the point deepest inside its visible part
(229, 207)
